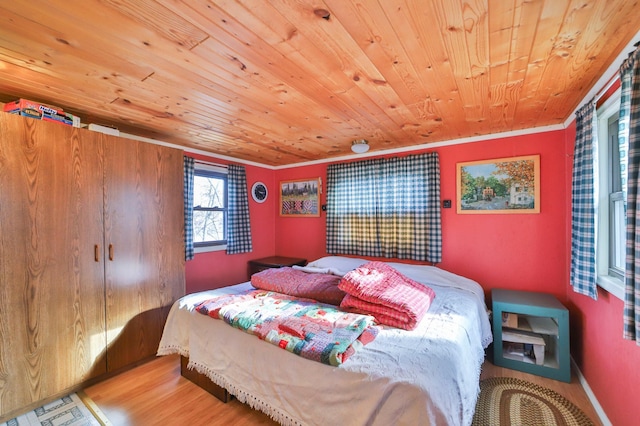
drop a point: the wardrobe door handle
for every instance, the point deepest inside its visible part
(110, 251)
(96, 253)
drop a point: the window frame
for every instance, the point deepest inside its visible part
(207, 170)
(609, 278)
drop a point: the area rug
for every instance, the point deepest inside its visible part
(76, 409)
(506, 401)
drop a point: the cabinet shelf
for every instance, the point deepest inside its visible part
(531, 333)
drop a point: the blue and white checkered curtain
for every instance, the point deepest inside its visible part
(583, 273)
(238, 224)
(189, 171)
(386, 207)
(630, 73)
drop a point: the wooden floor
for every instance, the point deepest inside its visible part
(156, 394)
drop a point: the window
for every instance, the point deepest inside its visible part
(209, 208)
(611, 203)
(388, 207)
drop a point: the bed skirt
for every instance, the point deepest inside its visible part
(203, 381)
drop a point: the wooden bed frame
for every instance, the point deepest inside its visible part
(203, 381)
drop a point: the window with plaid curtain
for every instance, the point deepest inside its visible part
(387, 207)
(238, 223)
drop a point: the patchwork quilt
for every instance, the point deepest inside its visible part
(313, 330)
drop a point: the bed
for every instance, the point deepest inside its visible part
(428, 375)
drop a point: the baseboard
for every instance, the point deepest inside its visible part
(594, 401)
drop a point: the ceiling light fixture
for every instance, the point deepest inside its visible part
(360, 146)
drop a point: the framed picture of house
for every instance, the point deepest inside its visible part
(300, 198)
(502, 185)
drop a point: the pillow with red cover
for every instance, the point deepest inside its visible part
(286, 280)
(378, 289)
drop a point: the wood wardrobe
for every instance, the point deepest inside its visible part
(91, 256)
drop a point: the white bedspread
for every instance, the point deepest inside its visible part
(426, 376)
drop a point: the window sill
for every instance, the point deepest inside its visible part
(613, 285)
(207, 249)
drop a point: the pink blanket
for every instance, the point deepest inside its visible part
(320, 287)
(377, 289)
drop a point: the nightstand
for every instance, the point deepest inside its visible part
(531, 333)
(258, 265)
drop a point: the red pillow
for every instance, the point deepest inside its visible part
(286, 280)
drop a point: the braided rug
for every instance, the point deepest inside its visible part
(506, 401)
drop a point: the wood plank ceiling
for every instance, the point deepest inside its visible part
(287, 81)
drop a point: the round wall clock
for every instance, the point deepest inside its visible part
(259, 192)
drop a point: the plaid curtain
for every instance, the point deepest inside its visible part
(630, 73)
(189, 170)
(386, 207)
(583, 274)
(238, 224)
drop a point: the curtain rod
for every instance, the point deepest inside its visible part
(615, 78)
(209, 163)
(606, 87)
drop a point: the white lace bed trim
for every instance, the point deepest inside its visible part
(256, 403)
(245, 397)
(242, 395)
(172, 350)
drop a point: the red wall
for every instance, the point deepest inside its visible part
(302, 236)
(518, 251)
(504, 250)
(507, 250)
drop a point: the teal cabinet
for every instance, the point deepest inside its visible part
(531, 333)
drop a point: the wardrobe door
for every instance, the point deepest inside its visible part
(52, 306)
(144, 272)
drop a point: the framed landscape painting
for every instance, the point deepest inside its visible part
(503, 185)
(300, 198)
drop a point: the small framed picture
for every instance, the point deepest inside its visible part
(300, 198)
(503, 185)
